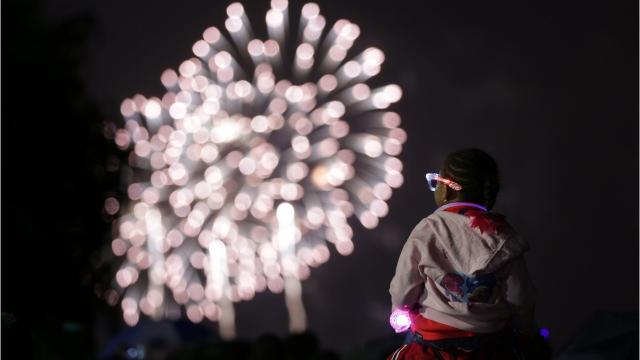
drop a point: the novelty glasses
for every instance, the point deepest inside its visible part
(433, 178)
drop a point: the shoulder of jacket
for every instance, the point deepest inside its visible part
(421, 230)
(439, 219)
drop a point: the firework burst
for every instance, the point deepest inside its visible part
(246, 173)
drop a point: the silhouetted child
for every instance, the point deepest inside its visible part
(461, 277)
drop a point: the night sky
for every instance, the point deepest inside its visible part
(549, 89)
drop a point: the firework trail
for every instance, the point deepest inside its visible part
(242, 180)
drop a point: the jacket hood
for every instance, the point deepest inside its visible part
(470, 250)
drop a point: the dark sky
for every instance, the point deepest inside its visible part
(549, 89)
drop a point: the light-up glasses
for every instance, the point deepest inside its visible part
(433, 178)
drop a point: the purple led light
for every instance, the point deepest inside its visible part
(400, 320)
(544, 332)
(461, 203)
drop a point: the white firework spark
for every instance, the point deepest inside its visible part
(244, 179)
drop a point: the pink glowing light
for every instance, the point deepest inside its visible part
(433, 178)
(400, 320)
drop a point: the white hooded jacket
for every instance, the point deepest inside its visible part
(445, 243)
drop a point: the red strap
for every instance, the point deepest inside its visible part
(433, 330)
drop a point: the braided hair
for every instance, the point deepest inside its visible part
(477, 172)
